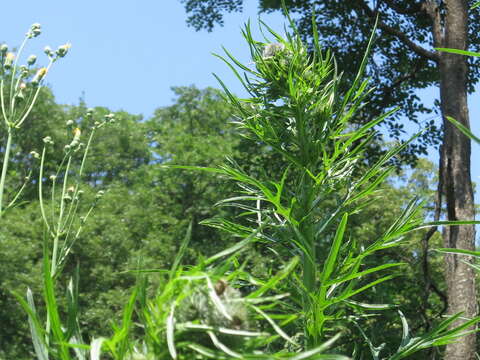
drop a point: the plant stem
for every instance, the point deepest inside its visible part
(4, 168)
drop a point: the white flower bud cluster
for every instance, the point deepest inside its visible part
(270, 50)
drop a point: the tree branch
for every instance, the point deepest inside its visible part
(401, 36)
(414, 8)
(433, 11)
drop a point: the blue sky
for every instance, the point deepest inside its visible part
(126, 55)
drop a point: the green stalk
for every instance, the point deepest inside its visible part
(5, 168)
(40, 190)
(12, 87)
(2, 99)
(59, 228)
(24, 116)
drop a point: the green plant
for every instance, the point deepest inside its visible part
(20, 86)
(63, 223)
(199, 312)
(296, 109)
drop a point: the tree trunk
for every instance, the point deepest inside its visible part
(458, 189)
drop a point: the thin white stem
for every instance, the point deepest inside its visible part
(40, 190)
(4, 168)
(12, 87)
(2, 99)
(22, 119)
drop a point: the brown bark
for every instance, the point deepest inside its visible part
(450, 30)
(460, 277)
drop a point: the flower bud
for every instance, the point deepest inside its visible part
(70, 122)
(3, 49)
(35, 154)
(76, 133)
(31, 60)
(48, 50)
(110, 117)
(76, 138)
(47, 140)
(39, 75)
(62, 50)
(270, 50)
(35, 29)
(20, 94)
(53, 177)
(9, 60)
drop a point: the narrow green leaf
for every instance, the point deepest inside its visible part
(458, 251)
(466, 131)
(181, 251)
(334, 249)
(280, 275)
(36, 330)
(274, 325)
(357, 275)
(458, 51)
(52, 306)
(346, 295)
(235, 248)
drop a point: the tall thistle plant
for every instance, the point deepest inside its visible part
(20, 86)
(64, 215)
(297, 109)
